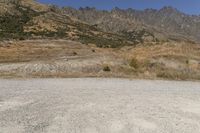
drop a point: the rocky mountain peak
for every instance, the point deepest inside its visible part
(167, 21)
(150, 10)
(168, 9)
(87, 8)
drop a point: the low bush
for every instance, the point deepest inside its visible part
(106, 69)
(134, 63)
(177, 75)
(74, 53)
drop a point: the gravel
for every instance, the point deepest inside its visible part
(99, 106)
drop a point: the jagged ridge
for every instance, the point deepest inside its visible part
(166, 23)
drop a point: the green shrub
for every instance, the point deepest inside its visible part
(134, 63)
(74, 53)
(11, 26)
(187, 62)
(21, 38)
(106, 69)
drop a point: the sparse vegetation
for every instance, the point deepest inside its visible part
(139, 36)
(101, 42)
(12, 25)
(177, 75)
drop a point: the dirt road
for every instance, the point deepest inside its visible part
(99, 106)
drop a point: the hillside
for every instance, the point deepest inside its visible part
(62, 58)
(28, 20)
(22, 19)
(39, 40)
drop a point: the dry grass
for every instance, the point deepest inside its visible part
(171, 50)
(166, 61)
(169, 60)
(25, 51)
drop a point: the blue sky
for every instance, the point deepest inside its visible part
(187, 6)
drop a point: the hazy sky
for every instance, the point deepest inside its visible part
(187, 6)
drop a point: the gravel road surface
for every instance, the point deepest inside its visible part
(99, 106)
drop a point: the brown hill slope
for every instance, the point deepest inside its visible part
(29, 19)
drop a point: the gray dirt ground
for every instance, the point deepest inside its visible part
(99, 106)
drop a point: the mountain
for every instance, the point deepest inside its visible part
(166, 23)
(25, 19)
